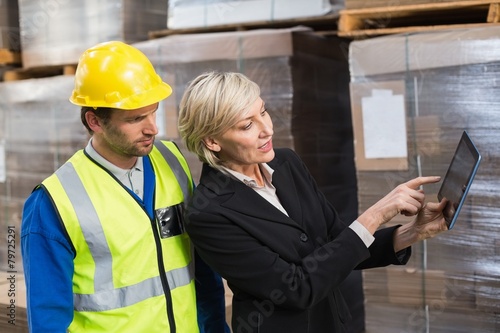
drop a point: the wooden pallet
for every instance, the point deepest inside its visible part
(8, 57)
(38, 72)
(358, 4)
(317, 23)
(369, 22)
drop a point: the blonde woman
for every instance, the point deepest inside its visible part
(258, 218)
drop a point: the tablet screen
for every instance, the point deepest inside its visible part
(458, 178)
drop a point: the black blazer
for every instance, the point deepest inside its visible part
(284, 271)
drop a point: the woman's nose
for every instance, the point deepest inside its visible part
(267, 128)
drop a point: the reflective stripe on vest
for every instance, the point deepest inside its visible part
(125, 296)
(180, 174)
(107, 297)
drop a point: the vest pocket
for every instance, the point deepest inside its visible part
(169, 220)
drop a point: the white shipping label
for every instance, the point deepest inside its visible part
(384, 125)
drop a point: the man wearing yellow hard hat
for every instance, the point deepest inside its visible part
(103, 242)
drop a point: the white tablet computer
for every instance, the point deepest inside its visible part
(459, 177)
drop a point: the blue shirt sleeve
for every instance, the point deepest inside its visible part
(48, 266)
(210, 299)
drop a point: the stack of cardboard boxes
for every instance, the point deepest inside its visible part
(57, 32)
(434, 86)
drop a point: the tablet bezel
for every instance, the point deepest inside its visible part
(465, 139)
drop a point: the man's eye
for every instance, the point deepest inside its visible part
(136, 120)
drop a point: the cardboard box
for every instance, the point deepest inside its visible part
(58, 32)
(40, 130)
(448, 83)
(190, 14)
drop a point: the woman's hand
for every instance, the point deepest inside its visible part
(428, 223)
(430, 220)
(407, 199)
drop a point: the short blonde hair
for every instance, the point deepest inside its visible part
(212, 103)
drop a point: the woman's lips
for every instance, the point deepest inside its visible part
(267, 146)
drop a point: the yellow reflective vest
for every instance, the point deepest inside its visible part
(131, 273)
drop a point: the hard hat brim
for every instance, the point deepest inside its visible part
(145, 98)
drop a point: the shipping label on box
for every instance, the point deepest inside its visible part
(379, 123)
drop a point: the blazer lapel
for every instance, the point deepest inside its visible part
(286, 190)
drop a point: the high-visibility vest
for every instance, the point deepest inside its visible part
(128, 275)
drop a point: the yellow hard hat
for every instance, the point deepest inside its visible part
(116, 75)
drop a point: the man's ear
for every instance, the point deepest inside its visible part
(93, 121)
(211, 144)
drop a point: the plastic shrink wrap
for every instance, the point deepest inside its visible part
(57, 32)
(39, 130)
(432, 86)
(203, 13)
